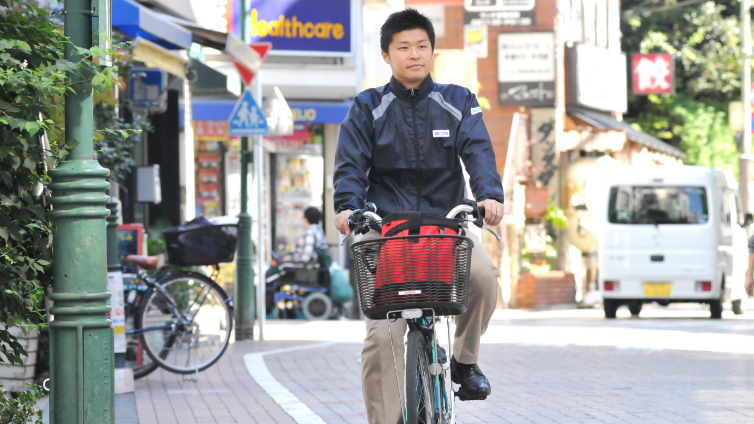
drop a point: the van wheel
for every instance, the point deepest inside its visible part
(716, 308)
(738, 306)
(611, 307)
(635, 307)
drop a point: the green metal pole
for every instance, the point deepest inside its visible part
(245, 294)
(81, 338)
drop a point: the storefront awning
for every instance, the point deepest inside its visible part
(320, 112)
(307, 112)
(211, 83)
(608, 122)
(200, 35)
(135, 20)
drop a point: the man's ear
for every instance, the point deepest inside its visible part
(385, 57)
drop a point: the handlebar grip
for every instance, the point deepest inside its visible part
(354, 218)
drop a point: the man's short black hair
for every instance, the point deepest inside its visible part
(403, 21)
(313, 215)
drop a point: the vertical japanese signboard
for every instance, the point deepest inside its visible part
(652, 73)
(499, 12)
(526, 69)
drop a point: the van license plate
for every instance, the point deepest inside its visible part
(657, 289)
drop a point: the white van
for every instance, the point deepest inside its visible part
(670, 234)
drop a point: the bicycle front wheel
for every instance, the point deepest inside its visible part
(420, 399)
(186, 321)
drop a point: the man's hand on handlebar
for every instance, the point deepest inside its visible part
(341, 222)
(493, 211)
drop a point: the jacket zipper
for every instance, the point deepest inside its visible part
(412, 97)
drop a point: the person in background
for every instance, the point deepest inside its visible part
(749, 278)
(305, 250)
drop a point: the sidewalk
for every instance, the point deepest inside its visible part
(227, 393)
(125, 409)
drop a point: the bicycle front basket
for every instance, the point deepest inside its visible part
(424, 271)
(203, 245)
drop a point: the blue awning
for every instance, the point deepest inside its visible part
(308, 112)
(320, 112)
(135, 20)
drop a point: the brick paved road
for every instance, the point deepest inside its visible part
(672, 366)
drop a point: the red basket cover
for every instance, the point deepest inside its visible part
(408, 270)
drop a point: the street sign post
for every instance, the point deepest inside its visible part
(246, 119)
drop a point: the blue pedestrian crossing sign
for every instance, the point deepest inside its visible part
(247, 118)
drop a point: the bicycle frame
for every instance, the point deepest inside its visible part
(420, 324)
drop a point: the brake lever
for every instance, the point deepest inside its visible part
(486, 227)
(346, 238)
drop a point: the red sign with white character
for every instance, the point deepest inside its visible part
(652, 73)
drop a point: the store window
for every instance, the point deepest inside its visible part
(297, 171)
(211, 140)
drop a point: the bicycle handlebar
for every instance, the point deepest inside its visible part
(358, 224)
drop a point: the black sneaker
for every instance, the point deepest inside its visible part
(474, 385)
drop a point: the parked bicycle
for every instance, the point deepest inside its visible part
(181, 319)
(421, 274)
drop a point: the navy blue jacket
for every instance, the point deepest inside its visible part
(400, 149)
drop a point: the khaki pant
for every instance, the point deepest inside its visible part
(381, 396)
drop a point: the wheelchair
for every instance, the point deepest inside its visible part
(300, 286)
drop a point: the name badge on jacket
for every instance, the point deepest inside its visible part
(441, 133)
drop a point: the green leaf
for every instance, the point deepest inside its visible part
(32, 127)
(71, 144)
(23, 45)
(43, 262)
(4, 233)
(15, 162)
(98, 79)
(30, 164)
(6, 178)
(5, 44)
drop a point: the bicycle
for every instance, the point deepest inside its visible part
(420, 278)
(183, 319)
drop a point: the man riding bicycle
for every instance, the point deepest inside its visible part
(399, 147)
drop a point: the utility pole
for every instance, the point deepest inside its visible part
(244, 287)
(745, 160)
(81, 336)
(258, 163)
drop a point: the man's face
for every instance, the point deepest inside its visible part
(410, 57)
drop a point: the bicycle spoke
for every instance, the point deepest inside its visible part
(201, 324)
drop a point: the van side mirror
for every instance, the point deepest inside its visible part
(748, 220)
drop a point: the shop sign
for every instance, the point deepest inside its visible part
(500, 12)
(319, 113)
(526, 69)
(652, 73)
(297, 143)
(148, 89)
(303, 26)
(475, 40)
(211, 130)
(596, 78)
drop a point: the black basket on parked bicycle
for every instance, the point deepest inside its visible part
(201, 245)
(407, 272)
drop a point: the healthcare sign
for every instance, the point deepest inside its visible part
(303, 26)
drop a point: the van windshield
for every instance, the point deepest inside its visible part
(658, 205)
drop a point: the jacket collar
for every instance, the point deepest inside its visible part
(420, 93)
